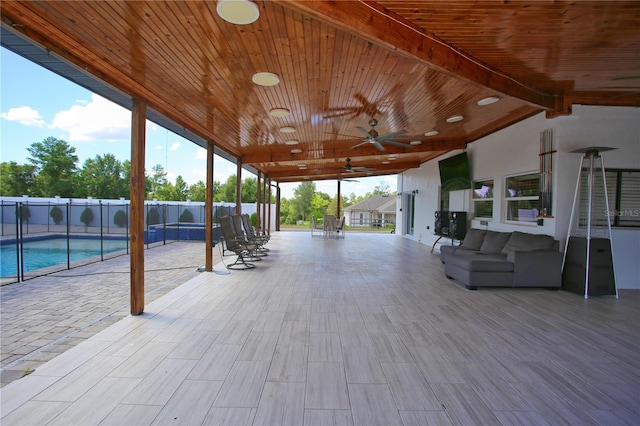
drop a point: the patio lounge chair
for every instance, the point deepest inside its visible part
(239, 247)
(315, 226)
(340, 228)
(251, 234)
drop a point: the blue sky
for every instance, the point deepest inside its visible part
(36, 103)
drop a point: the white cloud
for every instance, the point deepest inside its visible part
(99, 119)
(175, 146)
(200, 174)
(24, 115)
(158, 147)
(201, 153)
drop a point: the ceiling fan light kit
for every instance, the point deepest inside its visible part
(239, 12)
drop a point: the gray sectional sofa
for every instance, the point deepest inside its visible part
(504, 259)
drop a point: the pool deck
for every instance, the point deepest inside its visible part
(45, 316)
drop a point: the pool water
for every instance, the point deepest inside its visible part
(45, 253)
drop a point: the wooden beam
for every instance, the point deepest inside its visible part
(381, 27)
(136, 230)
(258, 189)
(239, 186)
(338, 200)
(264, 204)
(278, 206)
(269, 209)
(277, 153)
(208, 211)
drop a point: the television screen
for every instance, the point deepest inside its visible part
(454, 173)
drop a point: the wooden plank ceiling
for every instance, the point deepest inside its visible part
(408, 64)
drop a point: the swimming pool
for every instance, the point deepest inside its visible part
(42, 253)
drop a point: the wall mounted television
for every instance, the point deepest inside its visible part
(454, 173)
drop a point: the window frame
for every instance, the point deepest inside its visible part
(507, 198)
(477, 199)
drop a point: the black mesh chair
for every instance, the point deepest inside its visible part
(239, 247)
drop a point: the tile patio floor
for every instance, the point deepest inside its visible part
(364, 331)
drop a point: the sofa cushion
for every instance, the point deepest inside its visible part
(474, 238)
(494, 242)
(520, 241)
(481, 263)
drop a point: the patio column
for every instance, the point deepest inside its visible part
(278, 206)
(338, 201)
(239, 186)
(258, 194)
(269, 209)
(208, 211)
(136, 231)
(264, 204)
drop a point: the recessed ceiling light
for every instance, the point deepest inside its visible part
(432, 133)
(488, 101)
(302, 166)
(265, 79)
(296, 151)
(386, 162)
(279, 112)
(287, 129)
(454, 119)
(415, 143)
(393, 157)
(239, 12)
(292, 142)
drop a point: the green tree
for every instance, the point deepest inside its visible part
(186, 216)
(120, 219)
(56, 214)
(319, 203)
(55, 161)
(197, 191)
(332, 208)
(86, 216)
(17, 179)
(228, 190)
(103, 177)
(302, 196)
(249, 190)
(157, 180)
(173, 192)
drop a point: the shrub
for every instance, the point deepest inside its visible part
(56, 214)
(186, 216)
(25, 214)
(153, 216)
(254, 219)
(120, 218)
(86, 216)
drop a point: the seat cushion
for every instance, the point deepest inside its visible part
(474, 239)
(481, 263)
(520, 241)
(494, 242)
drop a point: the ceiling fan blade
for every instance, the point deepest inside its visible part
(392, 134)
(397, 139)
(394, 143)
(340, 134)
(360, 144)
(378, 146)
(364, 132)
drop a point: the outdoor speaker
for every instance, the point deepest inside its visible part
(457, 225)
(441, 226)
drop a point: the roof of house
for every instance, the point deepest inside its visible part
(379, 203)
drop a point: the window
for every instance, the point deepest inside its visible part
(623, 189)
(522, 194)
(483, 199)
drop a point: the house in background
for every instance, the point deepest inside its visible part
(377, 211)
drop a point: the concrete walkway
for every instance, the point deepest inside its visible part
(43, 317)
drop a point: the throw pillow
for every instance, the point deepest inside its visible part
(520, 241)
(494, 242)
(474, 238)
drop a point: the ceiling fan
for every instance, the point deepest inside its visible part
(372, 137)
(349, 168)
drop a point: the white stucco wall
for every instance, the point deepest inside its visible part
(514, 150)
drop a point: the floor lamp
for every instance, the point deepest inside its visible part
(587, 265)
